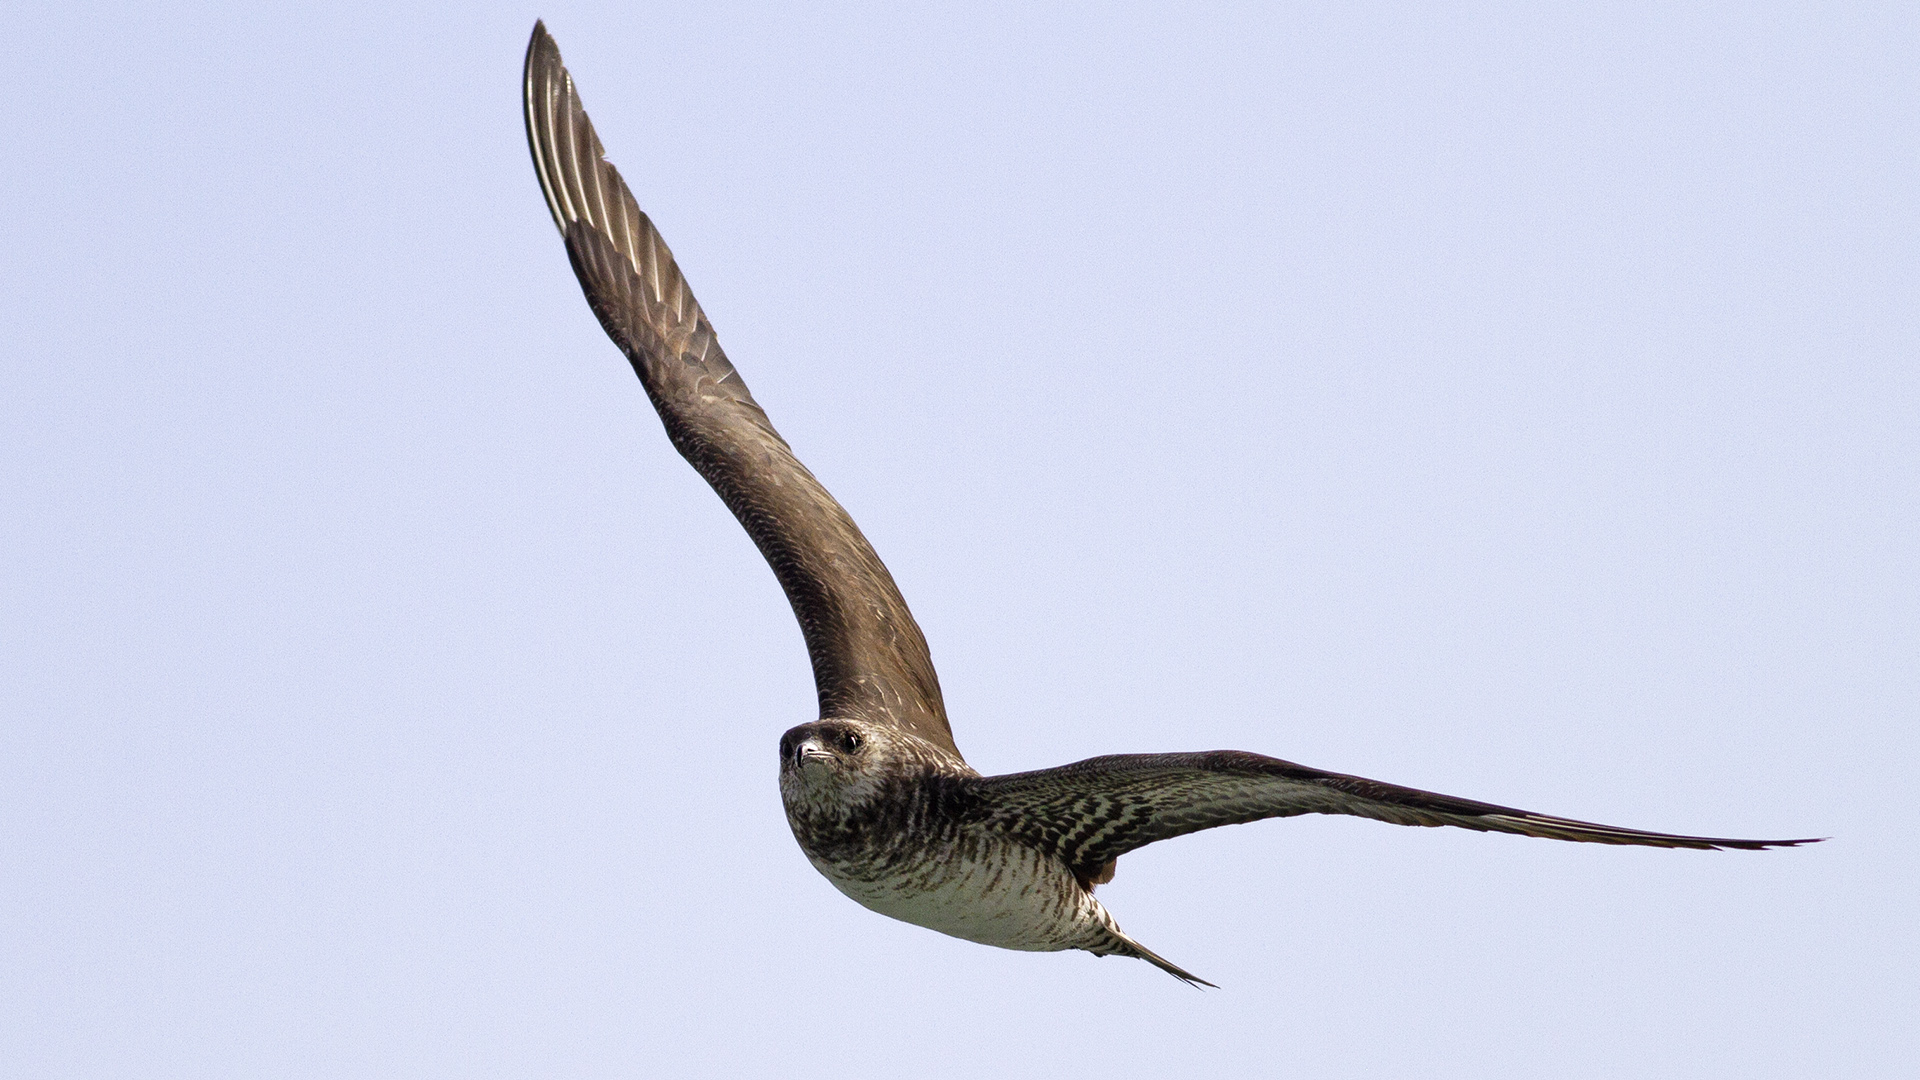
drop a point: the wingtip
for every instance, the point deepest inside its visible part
(1717, 844)
(542, 51)
(543, 81)
(540, 44)
(1548, 827)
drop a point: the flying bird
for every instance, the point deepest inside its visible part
(875, 790)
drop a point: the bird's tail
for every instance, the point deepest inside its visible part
(1123, 945)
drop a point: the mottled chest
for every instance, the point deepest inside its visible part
(920, 855)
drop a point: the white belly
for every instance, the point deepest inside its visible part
(1015, 898)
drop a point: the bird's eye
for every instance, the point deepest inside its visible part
(853, 743)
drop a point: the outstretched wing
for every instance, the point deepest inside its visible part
(869, 658)
(1094, 811)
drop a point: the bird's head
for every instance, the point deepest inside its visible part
(836, 763)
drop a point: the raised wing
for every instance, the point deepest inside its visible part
(1094, 811)
(869, 658)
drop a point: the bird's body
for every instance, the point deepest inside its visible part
(913, 835)
(922, 852)
(877, 793)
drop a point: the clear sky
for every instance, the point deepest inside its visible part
(1521, 404)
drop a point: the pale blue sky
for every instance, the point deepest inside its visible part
(1517, 403)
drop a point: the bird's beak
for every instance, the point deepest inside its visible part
(811, 750)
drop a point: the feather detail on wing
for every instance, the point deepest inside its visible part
(869, 659)
(1094, 811)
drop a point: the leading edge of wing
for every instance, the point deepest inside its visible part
(870, 660)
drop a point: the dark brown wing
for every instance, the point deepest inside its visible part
(1094, 811)
(869, 658)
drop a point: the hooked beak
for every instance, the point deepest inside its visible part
(811, 750)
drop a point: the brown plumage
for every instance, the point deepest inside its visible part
(869, 659)
(876, 792)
